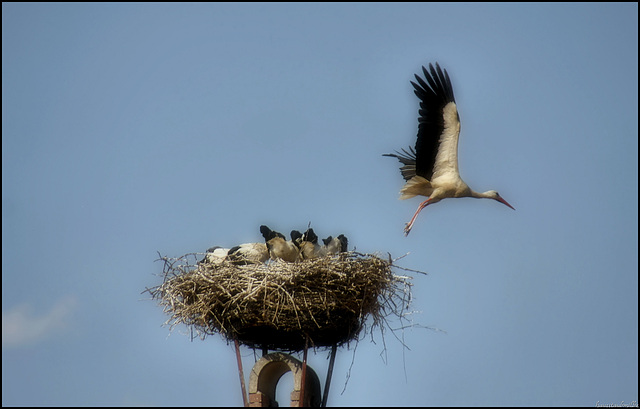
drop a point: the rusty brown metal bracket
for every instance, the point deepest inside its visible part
(241, 373)
(303, 387)
(327, 383)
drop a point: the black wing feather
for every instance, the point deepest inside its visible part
(408, 159)
(433, 99)
(435, 92)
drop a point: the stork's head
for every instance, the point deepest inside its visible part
(310, 236)
(344, 243)
(296, 237)
(269, 234)
(492, 194)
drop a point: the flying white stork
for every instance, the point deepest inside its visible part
(431, 169)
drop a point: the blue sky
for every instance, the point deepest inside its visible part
(129, 129)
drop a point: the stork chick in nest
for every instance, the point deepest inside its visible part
(278, 247)
(248, 253)
(334, 245)
(214, 255)
(309, 247)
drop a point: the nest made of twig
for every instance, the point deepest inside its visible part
(281, 305)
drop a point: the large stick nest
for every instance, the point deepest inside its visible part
(282, 305)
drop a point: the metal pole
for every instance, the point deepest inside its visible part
(325, 395)
(304, 373)
(244, 390)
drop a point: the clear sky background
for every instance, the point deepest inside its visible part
(129, 129)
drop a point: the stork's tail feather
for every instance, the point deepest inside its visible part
(415, 186)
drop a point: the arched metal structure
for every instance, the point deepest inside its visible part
(267, 372)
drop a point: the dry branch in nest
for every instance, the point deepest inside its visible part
(280, 305)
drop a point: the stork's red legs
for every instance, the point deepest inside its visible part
(409, 226)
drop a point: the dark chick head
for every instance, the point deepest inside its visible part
(296, 237)
(266, 232)
(310, 236)
(269, 234)
(327, 240)
(344, 243)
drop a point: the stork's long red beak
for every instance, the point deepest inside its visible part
(501, 200)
